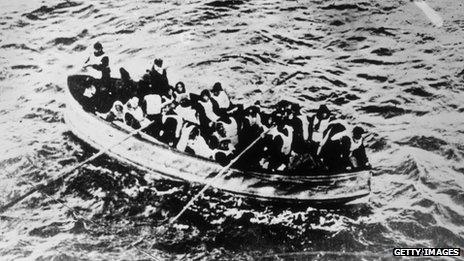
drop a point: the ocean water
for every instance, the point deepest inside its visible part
(380, 64)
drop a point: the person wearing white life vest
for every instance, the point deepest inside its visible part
(319, 123)
(279, 140)
(224, 153)
(170, 131)
(179, 92)
(229, 128)
(207, 106)
(186, 111)
(334, 149)
(115, 114)
(133, 114)
(95, 57)
(220, 98)
(192, 141)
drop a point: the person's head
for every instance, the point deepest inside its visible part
(179, 87)
(323, 112)
(133, 102)
(252, 111)
(217, 88)
(358, 132)
(224, 144)
(98, 47)
(105, 61)
(220, 129)
(158, 62)
(118, 106)
(205, 95)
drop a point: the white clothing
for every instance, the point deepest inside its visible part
(231, 131)
(305, 126)
(184, 136)
(222, 99)
(208, 107)
(318, 133)
(154, 104)
(200, 147)
(287, 139)
(187, 113)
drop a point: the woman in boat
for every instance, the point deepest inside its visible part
(133, 114)
(208, 117)
(115, 114)
(171, 126)
(179, 92)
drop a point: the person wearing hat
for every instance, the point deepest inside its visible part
(158, 77)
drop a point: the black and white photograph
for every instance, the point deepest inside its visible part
(231, 130)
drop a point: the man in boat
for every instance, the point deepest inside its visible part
(158, 77)
(342, 150)
(358, 157)
(302, 159)
(171, 126)
(95, 56)
(250, 130)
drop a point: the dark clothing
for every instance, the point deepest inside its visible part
(159, 82)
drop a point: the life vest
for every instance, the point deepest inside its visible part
(134, 109)
(187, 113)
(93, 59)
(222, 99)
(305, 126)
(117, 114)
(318, 127)
(200, 147)
(287, 139)
(208, 109)
(231, 130)
(154, 104)
(184, 136)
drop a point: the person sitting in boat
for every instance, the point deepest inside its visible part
(133, 114)
(158, 77)
(227, 126)
(220, 99)
(358, 157)
(250, 130)
(179, 92)
(334, 149)
(171, 126)
(278, 144)
(208, 117)
(115, 114)
(317, 125)
(186, 111)
(224, 152)
(192, 141)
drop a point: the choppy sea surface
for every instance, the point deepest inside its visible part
(379, 64)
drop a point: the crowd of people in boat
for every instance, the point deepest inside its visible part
(210, 125)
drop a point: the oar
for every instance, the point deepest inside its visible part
(67, 172)
(210, 182)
